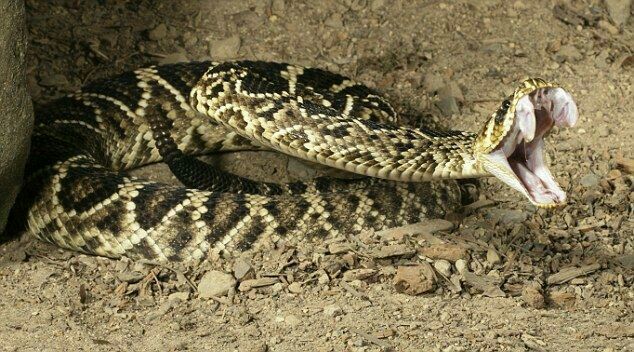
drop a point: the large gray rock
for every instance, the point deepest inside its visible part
(16, 113)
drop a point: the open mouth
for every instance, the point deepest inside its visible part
(518, 160)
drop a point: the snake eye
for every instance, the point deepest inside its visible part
(502, 111)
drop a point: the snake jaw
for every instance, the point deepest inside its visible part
(518, 160)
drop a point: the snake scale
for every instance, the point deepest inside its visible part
(77, 193)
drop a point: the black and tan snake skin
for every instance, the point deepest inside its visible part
(78, 195)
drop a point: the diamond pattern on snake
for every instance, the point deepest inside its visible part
(79, 195)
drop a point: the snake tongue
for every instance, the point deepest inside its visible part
(518, 161)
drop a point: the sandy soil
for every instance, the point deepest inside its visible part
(508, 277)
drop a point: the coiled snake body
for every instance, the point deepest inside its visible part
(78, 195)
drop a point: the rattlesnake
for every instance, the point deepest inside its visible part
(77, 193)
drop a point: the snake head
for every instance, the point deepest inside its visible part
(511, 144)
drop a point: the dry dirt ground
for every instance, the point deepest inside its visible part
(508, 277)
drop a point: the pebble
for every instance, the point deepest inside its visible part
(462, 266)
(397, 250)
(376, 4)
(335, 21)
(278, 6)
(332, 310)
(493, 257)
(603, 131)
(292, 320)
(608, 27)
(226, 48)
(447, 251)
(157, 33)
(563, 299)
(241, 269)
(338, 248)
(414, 280)
(174, 58)
(358, 274)
(443, 267)
(619, 10)
(447, 104)
(247, 285)
(507, 216)
(215, 284)
(432, 82)
(452, 89)
(181, 296)
(130, 277)
(54, 80)
(626, 261)
(532, 296)
(568, 53)
(589, 180)
(295, 287)
(323, 278)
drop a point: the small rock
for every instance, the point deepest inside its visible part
(447, 251)
(292, 320)
(257, 346)
(452, 89)
(414, 280)
(608, 27)
(519, 5)
(338, 248)
(181, 296)
(626, 261)
(376, 4)
(241, 269)
(215, 284)
(335, 21)
(432, 82)
(589, 180)
(226, 48)
(507, 216)
(130, 277)
(247, 285)
(462, 266)
(487, 284)
(278, 6)
(614, 174)
(568, 53)
(443, 267)
(332, 310)
(457, 286)
(397, 250)
(493, 257)
(532, 296)
(157, 33)
(358, 274)
(174, 58)
(603, 131)
(448, 105)
(627, 165)
(295, 287)
(189, 40)
(619, 10)
(323, 278)
(563, 299)
(54, 80)
(278, 287)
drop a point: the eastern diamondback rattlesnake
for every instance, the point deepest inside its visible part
(78, 195)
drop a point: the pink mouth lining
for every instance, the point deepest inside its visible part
(521, 151)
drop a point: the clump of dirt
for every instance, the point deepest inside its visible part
(496, 275)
